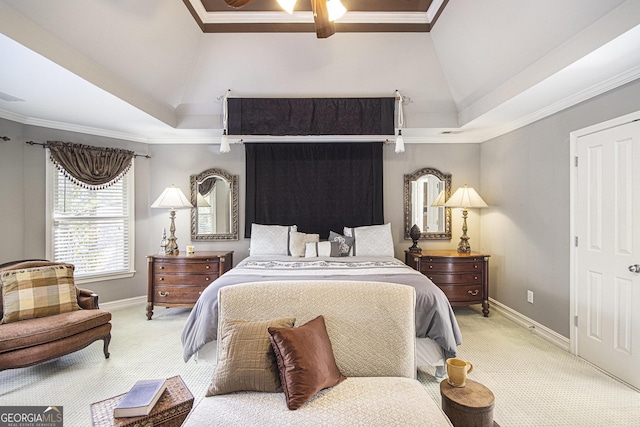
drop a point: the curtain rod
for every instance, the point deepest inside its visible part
(396, 97)
(303, 139)
(146, 156)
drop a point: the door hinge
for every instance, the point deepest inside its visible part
(576, 241)
(575, 321)
(575, 161)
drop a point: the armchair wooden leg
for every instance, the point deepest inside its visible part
(105, 348)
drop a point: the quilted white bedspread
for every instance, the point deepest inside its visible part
(356, 402)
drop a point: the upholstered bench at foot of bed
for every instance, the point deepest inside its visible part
(357, 401)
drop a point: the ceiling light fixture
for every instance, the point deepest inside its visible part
(287, 5)
(336, 9)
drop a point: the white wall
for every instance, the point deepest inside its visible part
(525, 180)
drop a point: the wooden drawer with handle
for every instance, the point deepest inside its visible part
(179, 280)
(463, 277)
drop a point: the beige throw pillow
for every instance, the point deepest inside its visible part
(245, 357)
(298, 242)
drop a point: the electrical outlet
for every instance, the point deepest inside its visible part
(530, 297)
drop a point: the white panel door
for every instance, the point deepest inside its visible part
(608, 228)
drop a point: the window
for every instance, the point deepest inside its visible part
(92, 229)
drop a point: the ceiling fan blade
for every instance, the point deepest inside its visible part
(237, 3)
(324, 27)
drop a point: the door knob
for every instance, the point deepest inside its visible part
(635, 268)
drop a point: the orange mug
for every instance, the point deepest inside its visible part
(457, 370)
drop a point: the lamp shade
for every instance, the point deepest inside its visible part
(439, 201)
(172, 197)
(336, 9)
(465, 197)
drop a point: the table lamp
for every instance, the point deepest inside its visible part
(465, 197)
(172, 198)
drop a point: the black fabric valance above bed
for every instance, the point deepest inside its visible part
(311, 116)
(320, 187)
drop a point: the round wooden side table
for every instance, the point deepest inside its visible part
(469, 406)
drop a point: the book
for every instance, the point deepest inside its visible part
(140, 400)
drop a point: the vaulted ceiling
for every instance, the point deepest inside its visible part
(156, 70)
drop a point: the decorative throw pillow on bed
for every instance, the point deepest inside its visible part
(298, 242)
(245, 357)
(305, 361)
(371, 240)
(270, 239)
(38, 292)
(316, 249)
(344, 242)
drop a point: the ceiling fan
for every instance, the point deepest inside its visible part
(324, 13)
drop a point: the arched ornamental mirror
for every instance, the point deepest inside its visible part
(425, 192)
(214, 196)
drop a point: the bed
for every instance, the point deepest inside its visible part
(435, 320)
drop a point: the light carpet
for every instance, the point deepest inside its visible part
(535, 383)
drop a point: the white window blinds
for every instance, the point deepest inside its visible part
(92, 229)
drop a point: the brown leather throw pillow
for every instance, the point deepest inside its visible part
(305, 361)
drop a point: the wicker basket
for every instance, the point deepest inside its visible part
(170, 411)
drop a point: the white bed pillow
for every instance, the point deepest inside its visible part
(298, 241)
(371, 240)
(270, 239)
(317, 249)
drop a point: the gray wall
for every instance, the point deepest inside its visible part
(22, 213)
(525, 179)
(22, 173)
(173, 164)
(523, 176)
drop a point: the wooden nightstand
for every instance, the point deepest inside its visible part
(178, 280)
(463, 277)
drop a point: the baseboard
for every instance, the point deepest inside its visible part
(535, 327)
(123, 303)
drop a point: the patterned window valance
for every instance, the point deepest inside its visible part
(90, 167)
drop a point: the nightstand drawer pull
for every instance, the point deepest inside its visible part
(163, 294)
(162, 267)
(207, 267)
(161, 278)
(431, 266)
(474, 293)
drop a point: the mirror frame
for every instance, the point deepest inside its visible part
(233, 184)
(446, 178)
